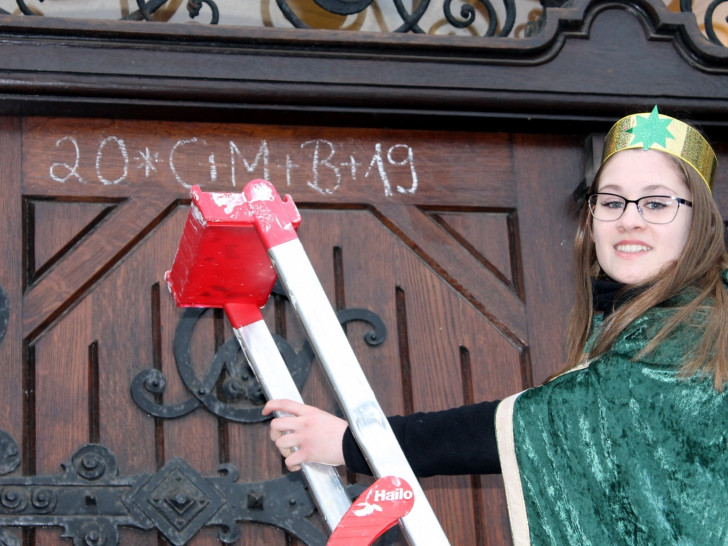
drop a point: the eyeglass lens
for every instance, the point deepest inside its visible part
(657, 209)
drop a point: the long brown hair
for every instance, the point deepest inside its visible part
(699, 266)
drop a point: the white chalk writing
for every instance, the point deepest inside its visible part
(121, 147)
(148, 161)
(322, 165)
(72, 170)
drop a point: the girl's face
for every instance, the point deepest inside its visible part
(631, 250)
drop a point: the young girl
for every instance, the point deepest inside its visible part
(628, 444)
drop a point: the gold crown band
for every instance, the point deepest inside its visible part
(654, 131)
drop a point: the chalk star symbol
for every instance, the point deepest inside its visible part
(651, 130)
(148, 161)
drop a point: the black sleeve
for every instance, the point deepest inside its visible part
(455, 441)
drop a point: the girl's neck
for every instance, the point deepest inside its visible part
(608, 295)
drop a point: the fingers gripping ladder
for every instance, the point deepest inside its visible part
(231, 249)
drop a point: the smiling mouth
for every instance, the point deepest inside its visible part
(632, 249)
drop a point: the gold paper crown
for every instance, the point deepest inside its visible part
(655, 131)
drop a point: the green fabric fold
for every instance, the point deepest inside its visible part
(625, 451)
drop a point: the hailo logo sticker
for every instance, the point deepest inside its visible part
(377, 509)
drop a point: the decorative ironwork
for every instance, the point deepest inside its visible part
(410, 21)
(90, 501)
(194, 7)
(686, 6)
(9, 454)
(145, 12)
(229, 388)
(147, 9)
(6, 539)
(4, 313)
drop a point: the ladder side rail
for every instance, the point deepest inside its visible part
(356, 398)
(275, 379)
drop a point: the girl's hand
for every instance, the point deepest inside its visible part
(305, 434)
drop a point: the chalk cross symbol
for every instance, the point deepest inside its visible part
(148, 161)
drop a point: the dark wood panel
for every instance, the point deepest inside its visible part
(460, 267)
(11, 355)
(548, 171)
(83, 265)
(124, 330)
(489, 237)
(15, 389)
(61, 421)
(54, 228)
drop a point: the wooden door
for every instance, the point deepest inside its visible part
(424, 230)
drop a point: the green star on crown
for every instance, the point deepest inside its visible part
(651, 130)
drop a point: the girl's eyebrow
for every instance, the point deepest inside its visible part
(613, 187)
(616, 188)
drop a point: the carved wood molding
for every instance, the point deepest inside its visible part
(624, 54)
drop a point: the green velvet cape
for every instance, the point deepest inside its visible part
(622, 451)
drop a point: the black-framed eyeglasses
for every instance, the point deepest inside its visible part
(655, 209)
